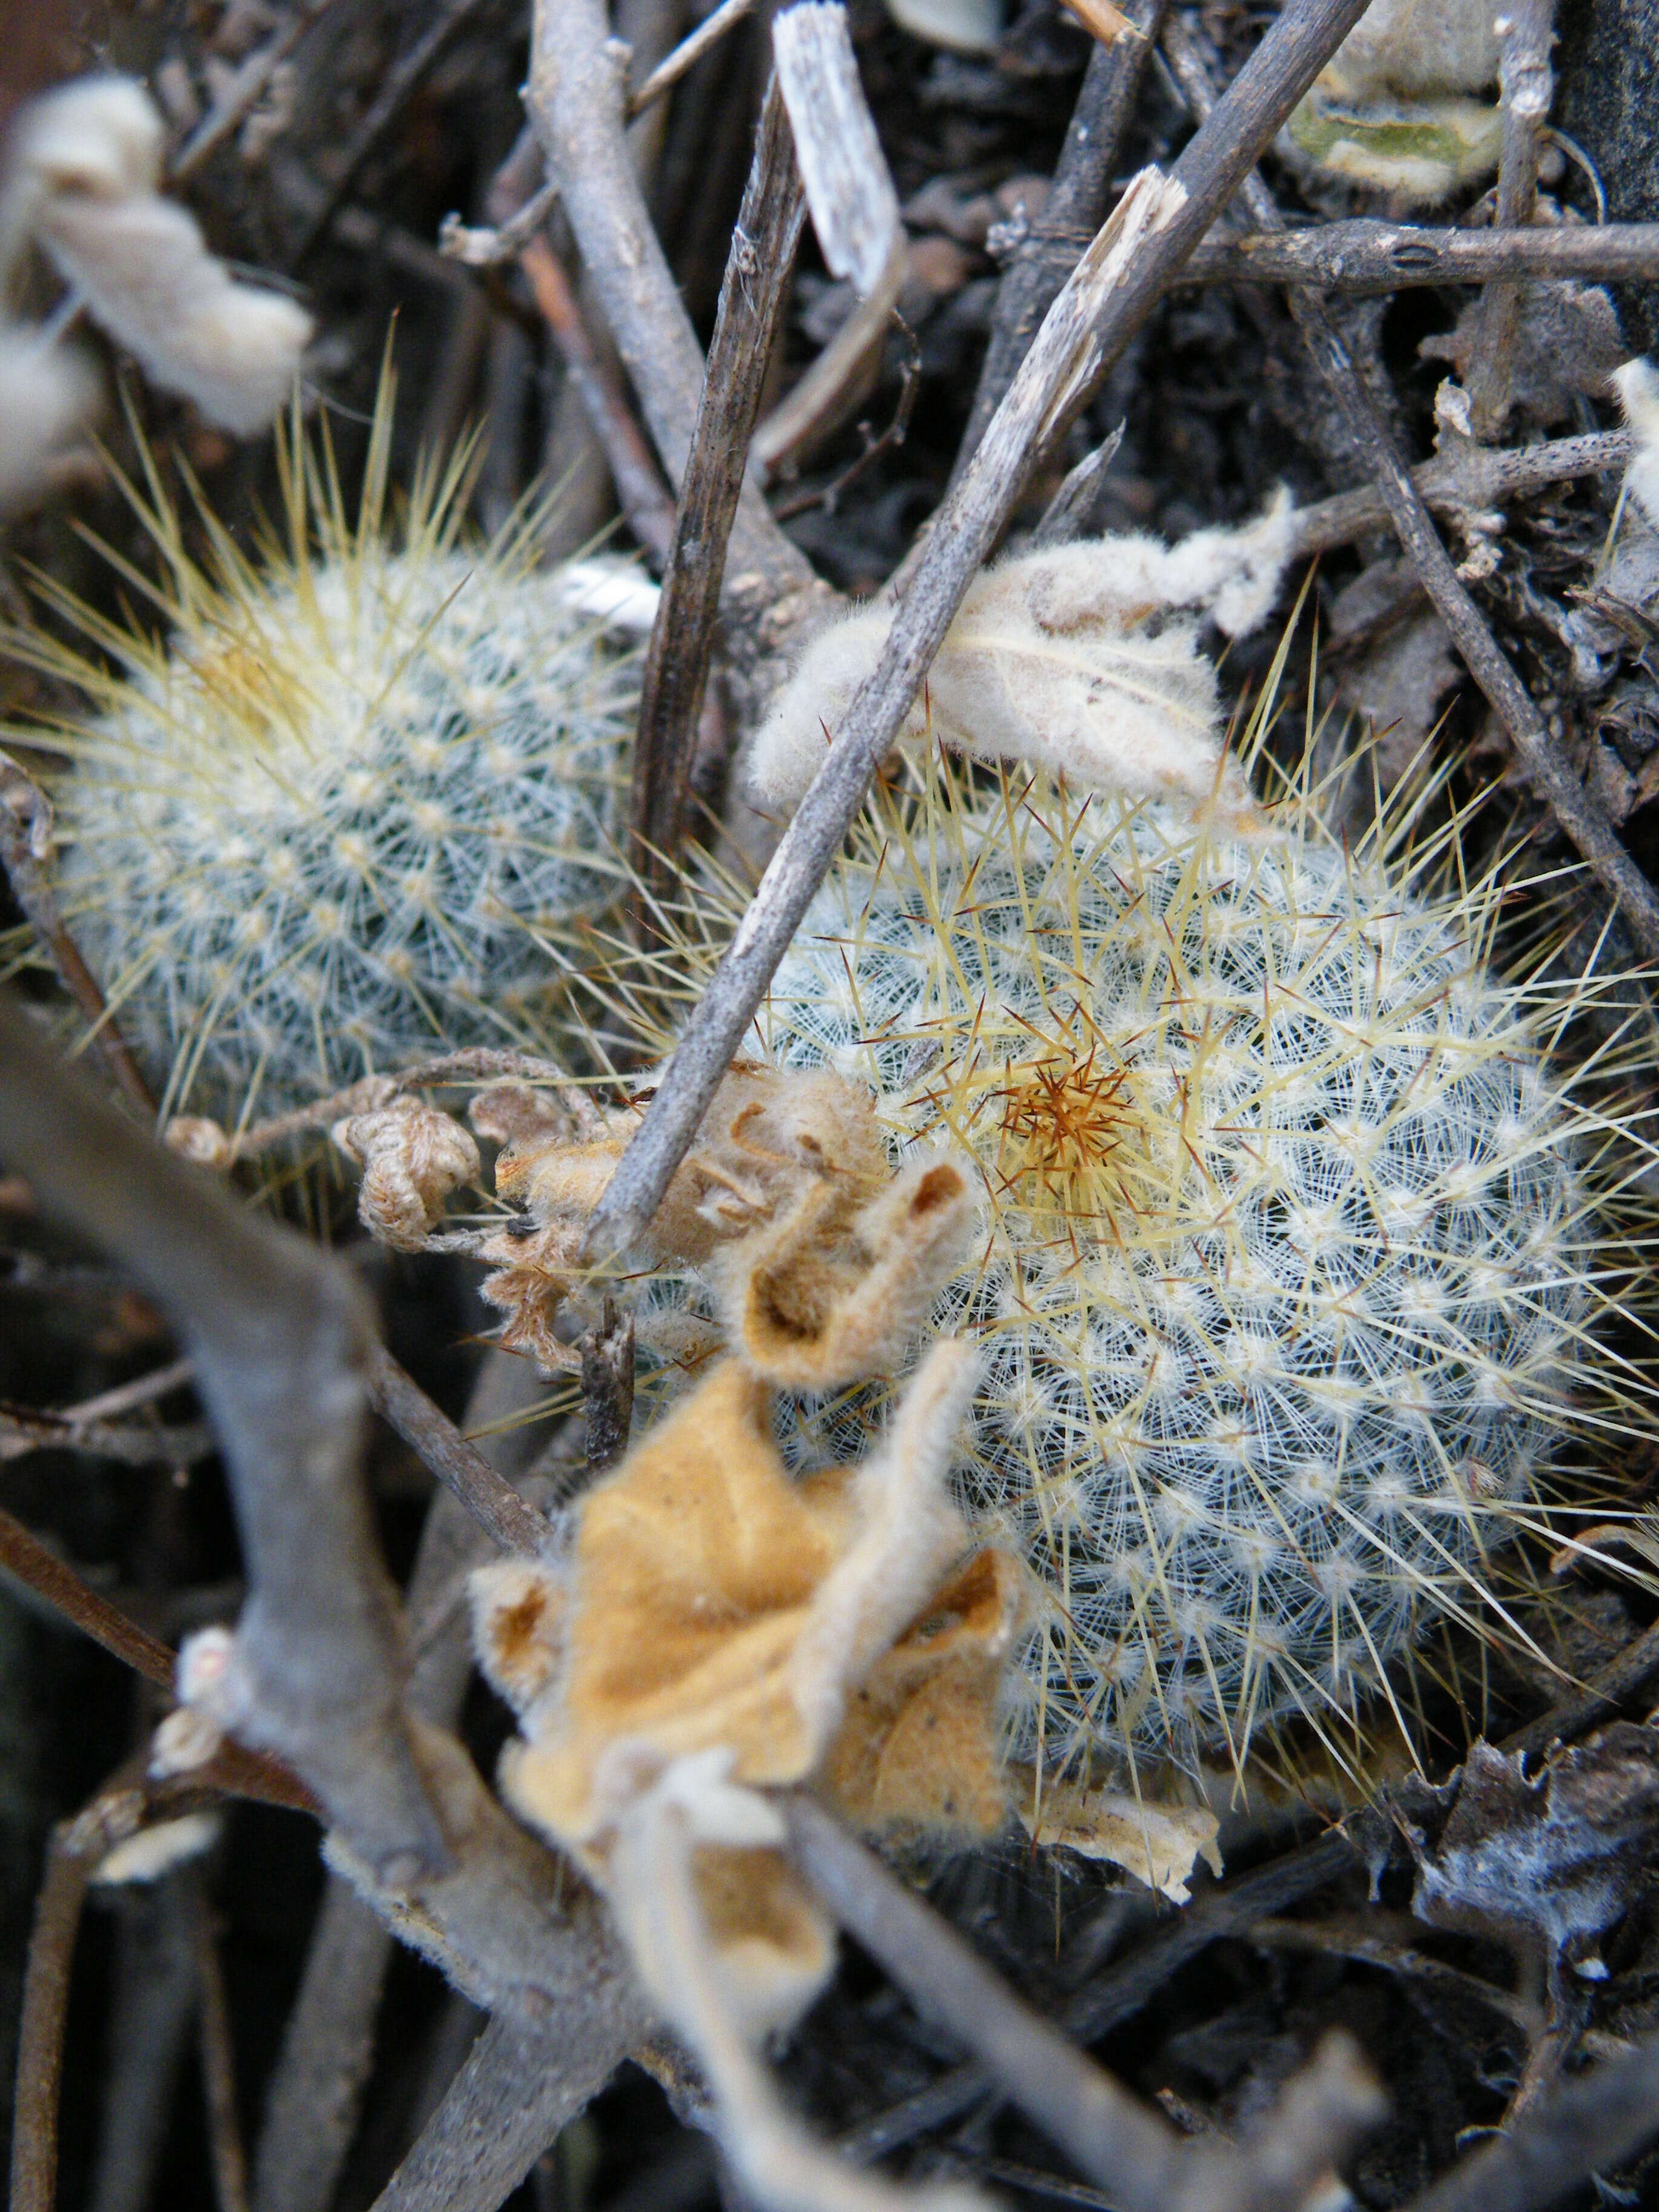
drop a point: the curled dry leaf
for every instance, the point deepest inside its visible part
(1054, 658)
(1551, 1859)
(412, 1157)
(86, 162)
(1158, 1844)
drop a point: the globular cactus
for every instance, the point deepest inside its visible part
(340, 812)
(1294, 1252)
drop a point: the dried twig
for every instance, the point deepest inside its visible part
(137, 1444)
(753, 296)
(1071, 214)
(23, 1554)
(689, 53)
(281, 1343)
(1121, 1992)
(1580, 816)
(517, 2089)
(492, 1502)
(316, 2092)
(218, 2067)
(244, 89)
(1526, 31)
(576, 101)
(1113, 290)
(633, 466)
(25, 846)
(45, 2010)
(402, 82)
(1364, 259)
(608, 1386)
(1588, 2125)
(1608, 1691)
(1466, 483)
(1108, 2132)
(855, 214)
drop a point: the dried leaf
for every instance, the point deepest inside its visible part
(1158, 1844)
(1554, 1858)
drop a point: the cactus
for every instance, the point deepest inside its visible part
(338, 814)
(1296, 1248)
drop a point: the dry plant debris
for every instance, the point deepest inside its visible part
(725, 1653)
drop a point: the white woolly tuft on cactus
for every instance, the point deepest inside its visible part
(1289, 1255)
(335, 818)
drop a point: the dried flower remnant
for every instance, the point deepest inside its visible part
(1299, 1251)
(767, 1142)
(86, 161)
(1393, 110)
(352, 808)
(48, 396)
(1637, 385)
(718, 1630)
(412, 1158)
(1056, 658)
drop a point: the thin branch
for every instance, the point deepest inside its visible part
(1609, 1692)
(40, 2034)
(1364, 259)
(1525, 31)
(281, 1342)
(1126, 1987)
(1589, 2125)
(517, 2089)
(23, 1554)
(633, 466)
(315, 2093)
(405, 79)
(127, 1397)
(218, 2066)
(689, 53)
(1106, 2131)
(1106, 300)
(1071, 214)
(758, 272)
(127, 1802)
(25, 846)
(493, 1503)
(24, 1429)
(1582, 819)
(608, 1386)
(244, 88)
(1466, 483)
(576, 101)
(475, 1063)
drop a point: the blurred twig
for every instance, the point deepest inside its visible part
(608, 1386)
(492, 1502)
(1071, 214)
(689, 53)
(244, 89)
(633, 470)
(757, 276)
(403, 82)
(1109, 2133)
(218, 2066)
(1107, 297)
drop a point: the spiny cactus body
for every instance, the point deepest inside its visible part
(1293, 1254)
(316, 827)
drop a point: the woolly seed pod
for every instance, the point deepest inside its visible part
(1294, 1248)
(322, 824)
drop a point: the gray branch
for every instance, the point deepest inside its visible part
(1106, 300)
